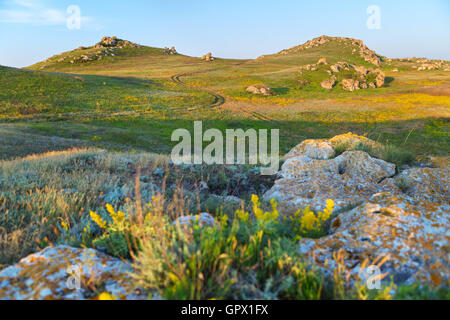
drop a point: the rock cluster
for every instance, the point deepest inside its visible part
(308, 67)
(114, 42)
(67, 273)
(260, 90)
(402, 218)
(170, 51)
(366, 77)
(424, 64)
(207, 57)
(107, 47)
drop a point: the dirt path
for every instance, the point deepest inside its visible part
(218, 99)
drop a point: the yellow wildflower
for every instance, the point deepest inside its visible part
(98, 220)
(106, 296)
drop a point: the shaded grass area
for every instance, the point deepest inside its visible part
(420, 137)
(26, 94)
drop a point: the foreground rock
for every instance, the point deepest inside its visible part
(402, 218)
(310, 175)
(410, 229)
(67, 273)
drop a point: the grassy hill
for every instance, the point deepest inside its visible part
(134, 96)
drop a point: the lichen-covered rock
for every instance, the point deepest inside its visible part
(413, 235)
(315, 149)
(67, 273)
(310, 175)
(203, 219)
(351, 140)
(348, 179)
(401, 219)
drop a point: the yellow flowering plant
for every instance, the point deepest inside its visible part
(307, 223)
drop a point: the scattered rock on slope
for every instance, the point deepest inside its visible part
(260, 90)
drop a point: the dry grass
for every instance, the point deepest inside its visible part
(39, 191)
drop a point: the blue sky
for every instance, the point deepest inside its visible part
(32, 30)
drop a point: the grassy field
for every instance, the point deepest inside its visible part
(131, 102)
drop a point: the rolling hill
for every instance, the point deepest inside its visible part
(118, 94)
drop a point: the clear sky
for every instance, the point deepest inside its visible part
(33, 30)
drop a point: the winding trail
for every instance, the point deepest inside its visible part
(219, 100)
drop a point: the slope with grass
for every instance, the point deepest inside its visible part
(137, 97)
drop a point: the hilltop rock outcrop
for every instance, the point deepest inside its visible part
(359, 47)
(114, 42)
(207, 57)
(170, 51)
(399, 219)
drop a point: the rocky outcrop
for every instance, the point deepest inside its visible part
(409, 228)
(311, 175)
(67, 273)
(260, 90)
(114, 42)
(207, 57)
(401, 219)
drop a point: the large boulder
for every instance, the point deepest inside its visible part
(260, 90)
(379, 80)
(411, 233)
(400, 219)
(311, 175)
(67, 273)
